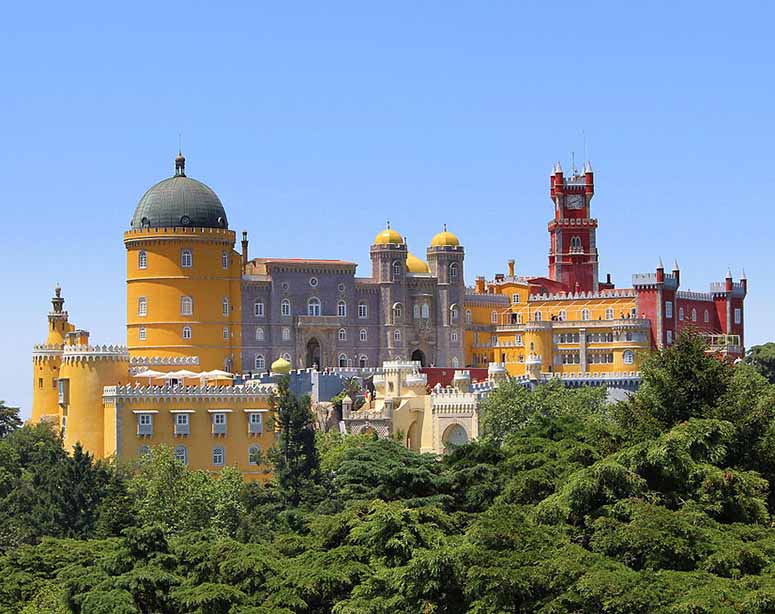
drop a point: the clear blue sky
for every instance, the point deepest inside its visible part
(315, 122)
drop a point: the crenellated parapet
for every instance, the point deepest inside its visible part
(42, 352)
(449, 401)
(168, 392)
(86, 353)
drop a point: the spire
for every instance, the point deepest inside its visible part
(675, 265)
(558, 168)
(587, 167)
(742, 277)
(660, 265)
(180, 164)
(729, 273)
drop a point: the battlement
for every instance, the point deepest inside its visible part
(140, 363)
(719, 287)
(174, 231)
(136, 392)
(694, 296)
(450, 400)
(45, 351)
(649, 280)
(574, 296)
(76, 353)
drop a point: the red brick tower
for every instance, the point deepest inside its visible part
(572, 251)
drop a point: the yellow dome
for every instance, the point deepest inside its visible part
(281, 366)
(445, 239)
(388, 236)
(415, 265)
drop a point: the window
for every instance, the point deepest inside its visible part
(609, 314)
(342, 360)
(181, 424)
(226, 332)
(181, 454)
(186, 332)
(453, 272)
(706, 317)
(313, 306)
(494, 317)
(142, 306)
(575, 244)
(628, 357)
(694, 315)
(537, 316)
(342, 335)
(186, 258)
(141, 334)
(397, 335)
(681, 313)
(255, 423)
(285, 308)
(363, 310)
(515, 298)
(142, 259)
(668, 309)
(396, 270)
(469, 316)
(259, 362)
(254, 454)
(218, 456)
(225, 306)
(563, 315)
(364, 335)
(426, 311)
(585, 314)
(453, 313)
(453, 336)
(224, 259)
(258, 309)
(738, 316)
(341, 309)
(670, 337)
(219, 424)
(259, 334)
(416, 311)
(398, 312)
(363, 361)
(145, 424)
(286, 334)
(186, 306)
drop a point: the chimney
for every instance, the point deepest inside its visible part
(244, 249)
(511, 268)
(480, 285)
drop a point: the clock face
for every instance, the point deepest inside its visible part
(574, 201)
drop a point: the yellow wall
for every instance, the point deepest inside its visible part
(164, 282)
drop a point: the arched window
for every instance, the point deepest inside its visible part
(142, 306)
(453, 336)
(224, 259)
(537, 316)
(575, 244)
(142, 259)
(453, 313)
(225, 306)
(609, 314)
(396, 270)
(364, 335)
(259, 333)
(342, 360)
(469, 316)
(363, 310)
(258, 309)
(226, 333)
(259, 362)
(453, 272)
(426, 311)
(254, 455)
(186, 306)
(181, 454)
(494, 317)
(219, 456)
(186, 259)
(341, 309)
(416, 311)
(681, 313)
(397, 335)
(706, 317)
(141, 333)
(186, 332)
(313, 306)
(694, 315)
(286, 333)
(363, 361)
(628, 357)
(455, 362)
(342, 335)
(398, 312)
(285, 307)
(563, 315)
(585, 314)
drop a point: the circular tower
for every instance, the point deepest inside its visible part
(445, 259)
(183, 276)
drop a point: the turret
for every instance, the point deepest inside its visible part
(728, 281)
(244, 249)
(660, 272)
(677, 273)
(744, 282)
(589, 179)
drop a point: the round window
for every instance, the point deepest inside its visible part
(341, 287)
(285, 285)
(313, 281)
(185, 220)
(221, 221)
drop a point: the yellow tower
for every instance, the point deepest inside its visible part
(183, 276)
(46, 362)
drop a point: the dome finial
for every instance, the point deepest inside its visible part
(180, 164)
(388, 224)
(445, 228)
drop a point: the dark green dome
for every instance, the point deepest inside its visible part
(179, 201)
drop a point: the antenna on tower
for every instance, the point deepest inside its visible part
(180, 142)
(584, 138)
(573, 162)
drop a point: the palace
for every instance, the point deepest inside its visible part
(198, 310)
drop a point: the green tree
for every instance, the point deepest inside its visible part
(762, 358)
(9, 419)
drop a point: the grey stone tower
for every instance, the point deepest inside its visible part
(388, 266)
(445, 259)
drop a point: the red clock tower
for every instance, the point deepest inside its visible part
(572, 250)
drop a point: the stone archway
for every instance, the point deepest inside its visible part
(419, 356)
(313, 354)
(412, 437)
(454, 435)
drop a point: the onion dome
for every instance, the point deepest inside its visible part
(388, 236)
(445, 239)
(179, 201)
(281, 366)
(415, 265)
